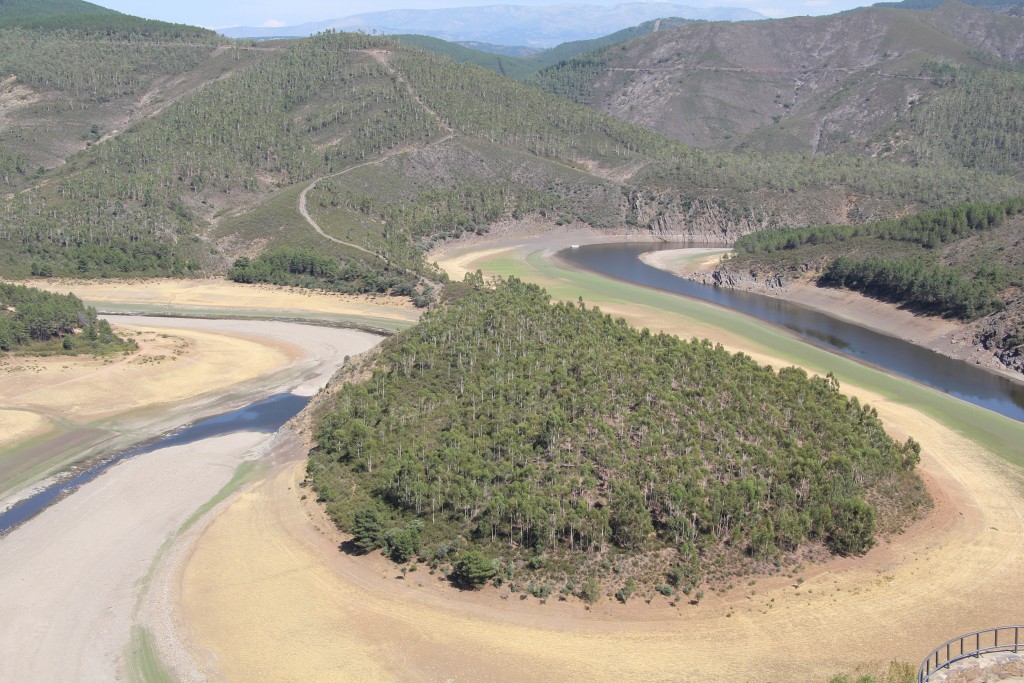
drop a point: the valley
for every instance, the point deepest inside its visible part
(511, 463)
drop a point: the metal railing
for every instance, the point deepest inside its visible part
(999, 639)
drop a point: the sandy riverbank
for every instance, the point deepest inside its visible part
(57, 409)
(219, 295)
(265, 593)
(67, 405)
(71, 576)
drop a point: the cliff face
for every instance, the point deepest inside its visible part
(1000, 334)
(709, 219)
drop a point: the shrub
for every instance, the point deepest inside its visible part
(473, 570)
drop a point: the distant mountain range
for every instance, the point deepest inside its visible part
(537, 27)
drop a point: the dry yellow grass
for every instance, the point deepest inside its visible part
(19, 425)
(266, 594)
(224, 294)
(458, 264)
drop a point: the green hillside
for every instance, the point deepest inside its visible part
(513, 67)
(523, 68)
(569, 448)
(1004, 6)
(85, 17)
(575, 48)
(16, 10)
(456, 147)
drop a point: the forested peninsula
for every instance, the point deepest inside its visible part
(548, 447)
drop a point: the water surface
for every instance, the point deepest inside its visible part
(265, 416)
(954, 377)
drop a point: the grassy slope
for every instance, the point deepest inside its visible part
(999, 434)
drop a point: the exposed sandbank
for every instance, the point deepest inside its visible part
(81, 398)
(220, 294)
(84, 400)
(72, 575)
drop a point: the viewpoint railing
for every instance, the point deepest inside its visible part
(1000, 639)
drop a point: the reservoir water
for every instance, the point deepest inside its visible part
(957, 378)
(265, 416)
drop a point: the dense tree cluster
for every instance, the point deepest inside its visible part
(572, 78)
(922, 286)
(12, 165)
(309, 269)
(552, 435)
(29, 316)
(927, 228)
(482, 103)
(92, 69)
(976, 119)
(74, 16)
(470, 206)
(902, 261)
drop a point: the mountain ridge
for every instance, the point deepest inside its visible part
(797, 84)
(530, 26)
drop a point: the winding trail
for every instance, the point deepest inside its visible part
(382, 57)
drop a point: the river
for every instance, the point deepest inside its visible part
(956, 378)
(266, 416)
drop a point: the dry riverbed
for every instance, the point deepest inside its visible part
(71, 577)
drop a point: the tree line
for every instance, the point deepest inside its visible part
(923, 286)
(312, 270)
(929, 229)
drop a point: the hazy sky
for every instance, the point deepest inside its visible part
(225, 13)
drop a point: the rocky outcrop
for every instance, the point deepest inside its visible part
(1002, 334)
(700, 220)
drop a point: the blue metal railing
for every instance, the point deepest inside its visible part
(999, 639)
